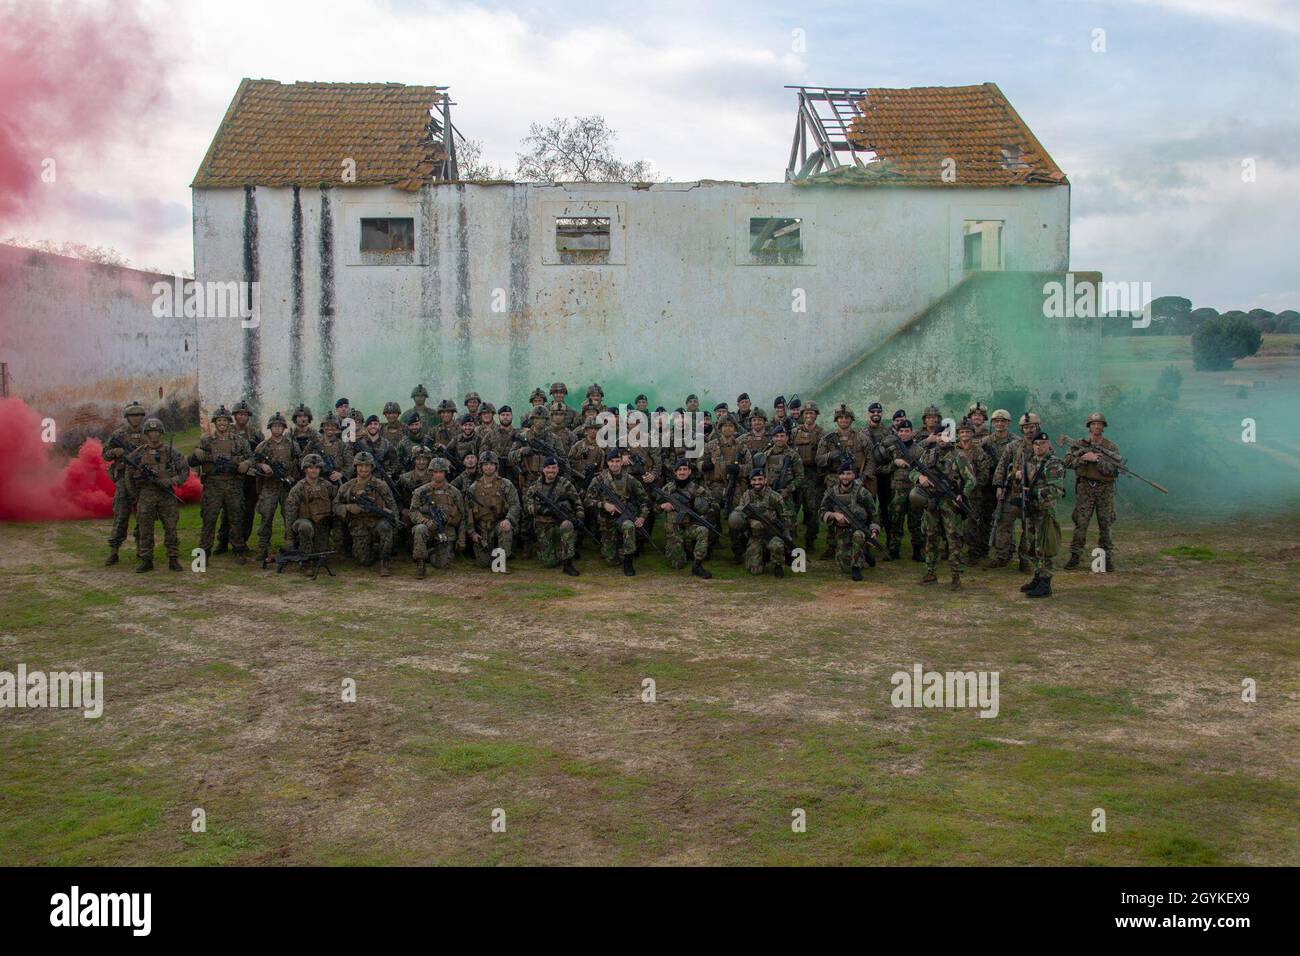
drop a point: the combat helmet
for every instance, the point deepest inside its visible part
(931, 410)
(843, 409)
(440, 464)
(472, 396)
(966, 425)
(154, 425)
(222, 412)
(1028, 418)
(1097, 417)
(489, 458)
(421, 451)
(392, 407)
(363, 458)
(133, 408)
(757, 412)
(1000, 414)
(537, 396)
(301, 410)
(487, 407)
(446, 405)
(559, 387)
(331, 420)
(977, 407)
(241, 406)
(419, 392)
(277, 417)
(313, 460)
(595, 389)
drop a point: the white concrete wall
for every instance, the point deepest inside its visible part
(80, 339)
(679, 307)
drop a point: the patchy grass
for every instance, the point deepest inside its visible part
(523, 694)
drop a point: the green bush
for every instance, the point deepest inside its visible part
(1220, 341)
(1168, 384)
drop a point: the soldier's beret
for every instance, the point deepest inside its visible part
(506, 408)
(660, 409)
(899, 414)
(904, 423)
(846, 464)
(467, 419)
(721, 407)
(549, 460)
(410, 418)
(743, 397)
(640, 398)
(779, 400)
(692, 398)
(876, 407)
(681, 463)
(372, 418)
(613, 453)
(341, 402)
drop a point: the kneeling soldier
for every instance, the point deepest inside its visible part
(309, 509)
(763, 512)
(437, 519)
(847, 508)
(684, 531)
(368, 506)
(556, 509)
(493, 510)
(622, 506)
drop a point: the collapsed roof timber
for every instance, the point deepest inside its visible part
(306, 134)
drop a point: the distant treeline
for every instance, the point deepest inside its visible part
(1174, 315)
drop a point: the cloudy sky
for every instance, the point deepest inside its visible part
(1153, 130)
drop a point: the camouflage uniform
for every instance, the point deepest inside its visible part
(763, 546)
(940, 520)
(255, 437)
(406, 449)
(835, 445)
(155, 498)
(901, 511)
(1004, 476)
(371, 534)
(272, 491)
(463, 445)
(130, 438)
(850, 544)
(805, 441)
(420, 409)
(555, 539)
(1094, 493)
(618, 535)
(309, 516)
(1046, 480)
(337, 455)
(492, 499)
(877, 439)
(426, 542)
(720, 458)
(223, 460)
(682, 533)
(785, 475)
(987, 498)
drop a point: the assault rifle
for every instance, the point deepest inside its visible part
(148, 471)
(382, 474)
(430, 509)
(546, 448)
(729, 490)
(1114, 459)
(625, 510)
(279, 470)
(457, 462)
(937, 481)
(785, 468)
(855, 522)
(775, 527)
(557, 511)
(682, 505)
(314, 561)
(369, 506)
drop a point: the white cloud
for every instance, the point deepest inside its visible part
(1274, 14)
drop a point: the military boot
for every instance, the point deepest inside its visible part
(627, 565)
(869, 557)
(568, 568)
(112, 558)
(1044, 589)
(917, 555)
(700, 571)
(930, 578)
(1072, 563)
(1025, 566)
(261, 556)
(809, 541)
(419, 569)
(146, 564)
(1110, 563)
(778, 569)
(221, 548)
(241, 557)
(384, 570)
(1031, 584)
(856, 574)
(173, 564)
(956, 582)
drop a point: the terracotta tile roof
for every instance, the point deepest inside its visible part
(912, 131)
(285, 134)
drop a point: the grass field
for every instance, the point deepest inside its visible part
(523, 692)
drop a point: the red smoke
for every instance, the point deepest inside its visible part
(71, 77)
(35, 487)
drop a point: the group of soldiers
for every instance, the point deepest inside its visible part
(446, 481)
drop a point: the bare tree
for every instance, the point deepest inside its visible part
(580, 149)
(471, 165)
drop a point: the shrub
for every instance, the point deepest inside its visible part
(1220, 341)
(1168, 384)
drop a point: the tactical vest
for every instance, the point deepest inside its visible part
(491, 496)
(219, 447)
(315, 501)
(805, 446)
(443, 498)
(1090, 470)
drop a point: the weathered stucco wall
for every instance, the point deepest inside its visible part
(486, 303)
(986, 340)
(80, 340)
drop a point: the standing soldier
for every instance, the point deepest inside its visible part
(901, 509)
(994, 444)
(755, 439)
(844, 441)
(684, 532)
(466, 442)
(335, 451)
(413, 439)
(558, 391)
(975, 528)
(585, 456)
(368, 506)
(784, 473)
(764, 543)
(125, 439)
(437, 520)
(223, 458)
(493, 510)
(1094, 491)
(345, 413)
(415, 477)
(421, 409)
(392, 427)
(744, 409)
(243, 413)
(876, 434)
(978, 414)
(595, 403)
(1006, 482)
(536, 401)
(155, 473)
(781, 421)
(1044, 484)
(806, 439)
(556, 509)
(304, 439)
(525, 460)
(276, 462)
(383, 455)
(941, 520)
(500, 438)
(618, 526)
(443, 432)
(647, 466)
(472, 404)
(560, 436)
(726, 464)
(309, 509)
(463, 482)
(846, 502)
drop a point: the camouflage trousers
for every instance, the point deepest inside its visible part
(271, 498)
(942, 525)
(307, 536)
(758, 552)
(249, 512)
(617, 538)
(491, 537)
(554, 541)
(850, 546)
(982, 505)
(900, 512)
(1039, 524)
(425, 545)
(372, 538)
(221, 496)
(1005, 533)
(1093, 498)
(680, 541)
(123, 502)
(809, 499)
(155, 504)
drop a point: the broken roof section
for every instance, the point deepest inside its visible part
(906, 136)
(302, 134)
